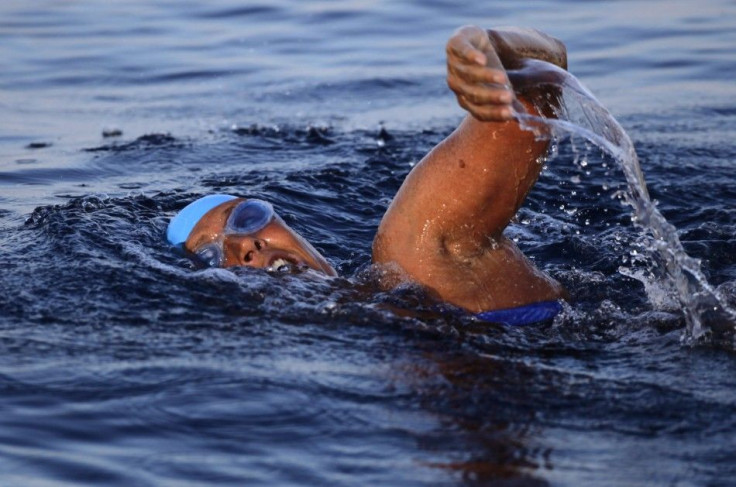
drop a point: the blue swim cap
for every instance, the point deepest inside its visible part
(182, 224)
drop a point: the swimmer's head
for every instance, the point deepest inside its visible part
(226, 231)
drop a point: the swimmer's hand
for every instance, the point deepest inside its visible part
(477, 76)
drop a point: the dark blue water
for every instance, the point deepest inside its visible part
(120, 364)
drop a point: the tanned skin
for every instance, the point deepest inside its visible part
(260, 249)
(444, 228)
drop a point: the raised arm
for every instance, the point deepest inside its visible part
(478, 60)
(444, 227)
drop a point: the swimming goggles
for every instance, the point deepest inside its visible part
(246, 218)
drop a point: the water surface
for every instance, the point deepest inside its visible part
(120, 364)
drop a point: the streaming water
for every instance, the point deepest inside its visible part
(581, 114)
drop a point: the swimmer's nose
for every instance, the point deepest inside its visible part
(253, 252)
(246, 250)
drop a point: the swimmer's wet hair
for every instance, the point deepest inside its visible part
(182, 224)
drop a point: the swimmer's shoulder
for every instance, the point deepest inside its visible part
(497, 277)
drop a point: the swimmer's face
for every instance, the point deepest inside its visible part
(270, 246)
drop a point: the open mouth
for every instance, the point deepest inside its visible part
(285, 263)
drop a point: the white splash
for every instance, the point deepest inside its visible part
(703, 306)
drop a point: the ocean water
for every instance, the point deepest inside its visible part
(122, 364)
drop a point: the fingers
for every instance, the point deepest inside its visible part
(486, 113)
(481, 93)
(477, 76)
(471, 56)
(463, 49)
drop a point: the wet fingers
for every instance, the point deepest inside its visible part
(481, 94)
(486, 113)
(477, 74)
(468, 45)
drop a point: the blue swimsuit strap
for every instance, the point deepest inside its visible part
(523, 315)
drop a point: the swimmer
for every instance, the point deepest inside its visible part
(444, 228)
